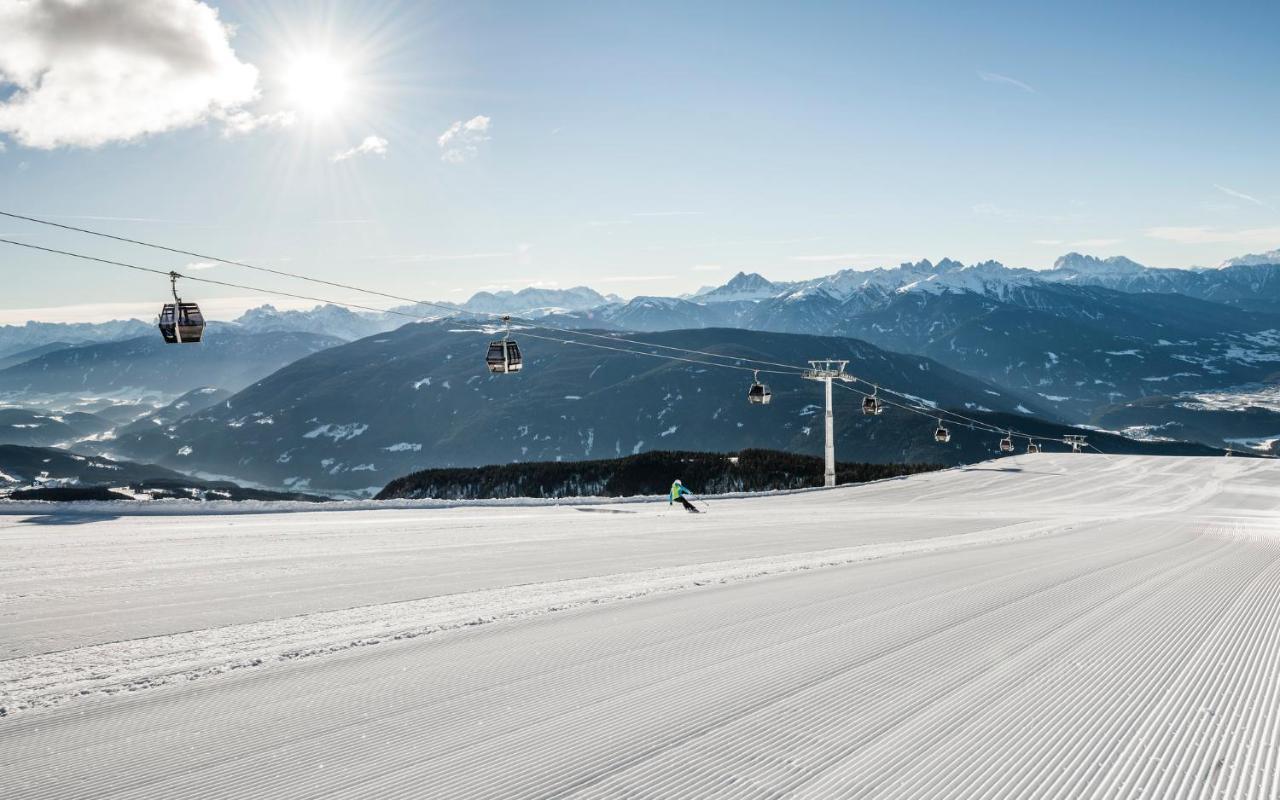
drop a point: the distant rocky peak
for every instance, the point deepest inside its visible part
(746, 281)
(743, 286)
(264, 311)
(1092, 265)
(1253, 259)
(988, 266)
(532, 298)
(923, 265)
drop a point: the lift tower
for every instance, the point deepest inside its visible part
(826, 371)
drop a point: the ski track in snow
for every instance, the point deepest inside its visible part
(1040, 626)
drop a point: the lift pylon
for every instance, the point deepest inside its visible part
(828, 370)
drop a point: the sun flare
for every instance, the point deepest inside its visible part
(317, 85)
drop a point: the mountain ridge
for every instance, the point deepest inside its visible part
(350, 418)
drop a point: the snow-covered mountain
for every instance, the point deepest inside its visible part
(1253, 259)
(1249, 281)
(328, 320)
(14, 339)
(742, 286)
(534, 301)
(1085, 335)
(1092, 265)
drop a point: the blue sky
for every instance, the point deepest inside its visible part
(639, 148)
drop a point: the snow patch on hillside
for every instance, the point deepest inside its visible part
(337, 432)
(1235, 399)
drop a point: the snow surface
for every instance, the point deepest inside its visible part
(1040, 626)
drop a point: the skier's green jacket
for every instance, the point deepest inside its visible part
(677, 489)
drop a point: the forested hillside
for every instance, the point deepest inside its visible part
(646, 473)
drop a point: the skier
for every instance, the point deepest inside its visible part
(679, 494)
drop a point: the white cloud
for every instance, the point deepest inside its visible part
(708, 267)
(461, 141)
(239, 123)
(995, 77)
(372, 145)
(1241, 195)
(97, 71)
(1199, 234)
(1047, 241)
(196, 266)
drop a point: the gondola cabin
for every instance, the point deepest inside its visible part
(181, 323)
(872, 405)
(503, 357)
(759, 394)
(1032, 447)
(942, 435)
(1006, 445)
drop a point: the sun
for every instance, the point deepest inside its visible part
(317, 85)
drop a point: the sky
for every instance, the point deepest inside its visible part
(435, 149)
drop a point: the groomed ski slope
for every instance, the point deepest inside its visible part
(1041, 626)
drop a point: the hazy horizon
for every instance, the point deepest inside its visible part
(229, 308)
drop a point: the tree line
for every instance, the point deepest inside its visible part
(642, 474)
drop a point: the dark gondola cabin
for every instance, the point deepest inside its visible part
(1032, 447)
(872, 405)
(942, 435)
(759, 394)
(180, 323)
(503, 357)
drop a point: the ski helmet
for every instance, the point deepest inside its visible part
(678, 483)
